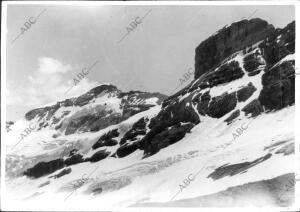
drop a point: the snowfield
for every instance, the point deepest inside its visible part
(129, 181)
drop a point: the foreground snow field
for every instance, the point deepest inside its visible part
(158, 178)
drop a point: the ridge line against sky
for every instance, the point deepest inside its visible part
(41, 64)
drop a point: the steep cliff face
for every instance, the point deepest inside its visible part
(233, 84)
(229, 40)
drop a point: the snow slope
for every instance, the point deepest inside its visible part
(157, 178)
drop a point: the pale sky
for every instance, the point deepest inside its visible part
(42, 63)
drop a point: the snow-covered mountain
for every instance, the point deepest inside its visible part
(102, 106)
(226, 139)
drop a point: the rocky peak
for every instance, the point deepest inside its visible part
(103, 88)
(94, 110)
(229, 40)
(76, 101)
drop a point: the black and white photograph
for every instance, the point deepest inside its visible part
(150, 106)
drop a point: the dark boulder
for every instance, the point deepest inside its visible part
(253, 73)
(107, 139)
(278, 87)
(57, 127)
(202, 105)
(131, 135)
(97, 191)
(175, 112)
(229, 170)
(127, 149)
(165, 138)
(107, 142)
(44, 168)
(251, 62)
(44, 184)
(157, 128)
(232, 117)
(72, 152)
(138, 128)
(279, 44)
(100, 155)
(140, 124)
(244, 93)
(224, 74)
(254, 108)
(62, 173)
(111, 134)
(74, 159)
(221, 105)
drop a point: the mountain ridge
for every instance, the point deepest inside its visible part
(130, 103)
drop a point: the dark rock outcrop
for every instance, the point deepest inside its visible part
(224, 74)
(227, 41)
(62, 173)
(254, 108)
(278, 87)
(107, 142)
(44, 168)
(127, 149)
(74, 159)
(221, 105)
(251, 62)
(168, 124)
(8, 125)
(152, 144)
(44, 184)
(138, 128)
(175, 112)
(234, 169)
(232, 116)
(244, 93)
(107, 139)
(279, 44)
(100, 155)
(203, 102)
